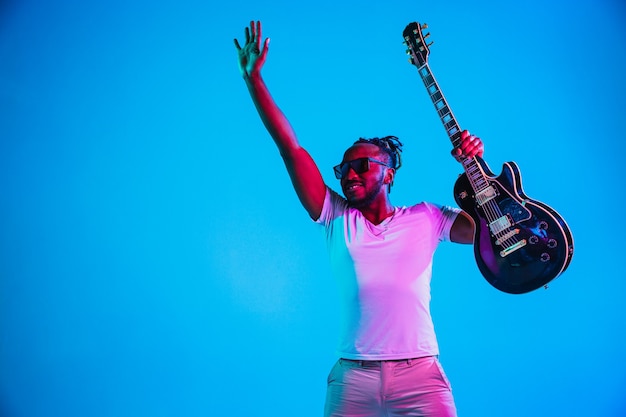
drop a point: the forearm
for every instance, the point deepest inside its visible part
(273, 118)
(305, 176)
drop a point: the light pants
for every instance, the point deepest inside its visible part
(409, 387)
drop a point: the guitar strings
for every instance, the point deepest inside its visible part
(491, 209)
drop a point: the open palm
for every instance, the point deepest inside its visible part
(251, 57)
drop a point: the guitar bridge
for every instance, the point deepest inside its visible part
(506, 236)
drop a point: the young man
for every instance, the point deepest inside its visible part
(381, 256)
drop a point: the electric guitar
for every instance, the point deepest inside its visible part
(520, 244)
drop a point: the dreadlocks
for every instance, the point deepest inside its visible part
(391, 145)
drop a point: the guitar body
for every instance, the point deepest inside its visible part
(532, 244)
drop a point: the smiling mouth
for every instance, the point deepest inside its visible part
(353, 186)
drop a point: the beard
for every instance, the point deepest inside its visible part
(368, 198)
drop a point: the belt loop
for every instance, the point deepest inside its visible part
(409, 362)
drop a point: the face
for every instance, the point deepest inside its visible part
(361, 189)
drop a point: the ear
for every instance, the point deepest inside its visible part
(389, 176)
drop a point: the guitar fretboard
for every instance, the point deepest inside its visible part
(473, 170)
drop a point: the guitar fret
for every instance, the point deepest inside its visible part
(427, 76)
(475, 175)
(473, 170)
(437, 97)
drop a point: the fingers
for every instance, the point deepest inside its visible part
(266, 47)
(470, 146)
(252, 34)
(252, 30)
(253, 38)
(255, 33)
(258, 35)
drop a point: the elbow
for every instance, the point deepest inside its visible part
(463, 230)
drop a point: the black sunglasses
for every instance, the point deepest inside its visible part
(359, 165)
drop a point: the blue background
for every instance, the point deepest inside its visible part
(155, 261)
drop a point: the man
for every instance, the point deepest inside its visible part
(381, 256)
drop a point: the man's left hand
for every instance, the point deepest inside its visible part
(469, 147)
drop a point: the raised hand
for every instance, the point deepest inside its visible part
(251, 57)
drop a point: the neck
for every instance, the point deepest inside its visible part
(377, 211)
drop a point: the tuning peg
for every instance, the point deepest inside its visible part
(424, 26)
(430, 44)
(426, 36)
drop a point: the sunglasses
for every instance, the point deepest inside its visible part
(359, 165)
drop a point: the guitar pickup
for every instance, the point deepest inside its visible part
(499, 225)
(485, 195)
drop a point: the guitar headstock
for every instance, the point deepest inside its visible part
(415, 39)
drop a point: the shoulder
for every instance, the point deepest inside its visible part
(437, 213)
(334, 206)
(426, 207)
(335, 200)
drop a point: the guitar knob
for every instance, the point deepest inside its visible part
(552, 243)
(533, 240)
(544, 257)
(543, 225)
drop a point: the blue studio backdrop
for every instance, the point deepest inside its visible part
(155, 260)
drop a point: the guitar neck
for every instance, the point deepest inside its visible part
(470, 165)
(441, 105)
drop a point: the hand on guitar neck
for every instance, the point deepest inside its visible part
(469, 147)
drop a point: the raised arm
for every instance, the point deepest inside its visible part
(463, 228)
(305, 175)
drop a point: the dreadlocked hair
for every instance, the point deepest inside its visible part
(391, 145)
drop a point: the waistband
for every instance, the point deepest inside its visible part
(378, 363)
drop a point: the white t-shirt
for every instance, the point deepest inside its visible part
(384, 274)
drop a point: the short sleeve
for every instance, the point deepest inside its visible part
(444, 217)
(334, 206)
